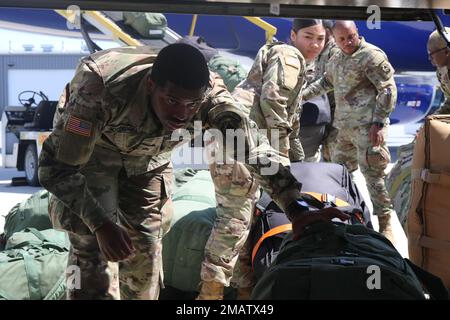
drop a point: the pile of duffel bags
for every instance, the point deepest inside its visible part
(429, 213)
(333, 261)
(419, 184)
(229, 69)
(329, 183)
(330, 261)
(33, 256)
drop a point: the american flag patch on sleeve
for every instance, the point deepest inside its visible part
(79, 126)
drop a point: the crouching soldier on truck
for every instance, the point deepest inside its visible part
(107, 162)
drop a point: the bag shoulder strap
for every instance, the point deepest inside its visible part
(277, 230)
(58, 290)
(265, 200)
(32, 272)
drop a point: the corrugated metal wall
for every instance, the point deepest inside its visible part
(32, 61)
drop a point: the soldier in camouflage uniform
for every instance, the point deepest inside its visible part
(308, 36)
(439, 55)
(271, 96)
(328, 51)
(365, 94)
(107, 162)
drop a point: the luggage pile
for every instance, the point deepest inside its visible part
(230, 70)
(34, 258)
(340, 262)
(330, 261)
(329, 183)
(429, 213)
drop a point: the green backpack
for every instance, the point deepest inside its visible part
(340, 262)
(33, 212)
(148, 24)
(230, 70)
(194, 204)
(33, 265)
(194, 214)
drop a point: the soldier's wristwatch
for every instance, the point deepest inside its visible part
(296, 206)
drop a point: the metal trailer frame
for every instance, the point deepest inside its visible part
(337, 9)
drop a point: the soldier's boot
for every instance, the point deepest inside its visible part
(244, 293)
(385, 226)
(211, 290)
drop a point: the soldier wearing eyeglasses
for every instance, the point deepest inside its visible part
(439, 55)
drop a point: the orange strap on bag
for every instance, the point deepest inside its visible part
(324, 197)
(277, 230)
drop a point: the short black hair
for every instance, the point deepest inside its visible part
(181, 64)
(299, 23)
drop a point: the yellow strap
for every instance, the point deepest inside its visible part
(324, 198)
(287, 227)
(277, 230)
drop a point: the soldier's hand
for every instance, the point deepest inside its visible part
(114, 242)
(376, 135)
(305, 218)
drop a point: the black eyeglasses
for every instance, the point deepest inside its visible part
(436, 51)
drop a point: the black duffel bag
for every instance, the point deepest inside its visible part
(341, 262)
(329, 183)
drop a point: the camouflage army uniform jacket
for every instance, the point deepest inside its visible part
(310, 71)
(272, 90)
(443, 75)
(108, 106)
(364, 86)
(330, 50)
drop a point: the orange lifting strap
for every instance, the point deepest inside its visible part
(324, 197)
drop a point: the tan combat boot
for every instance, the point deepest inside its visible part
(385, 226)
(244, 293)
(211, 290)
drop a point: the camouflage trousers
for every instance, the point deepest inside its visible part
(354, 148)
(296, 152)
(141, 205)
(228, 250)
(329, 144)
(236, 195)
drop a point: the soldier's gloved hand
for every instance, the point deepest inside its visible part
(376, 135)
(114, 242)
(300, 217)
